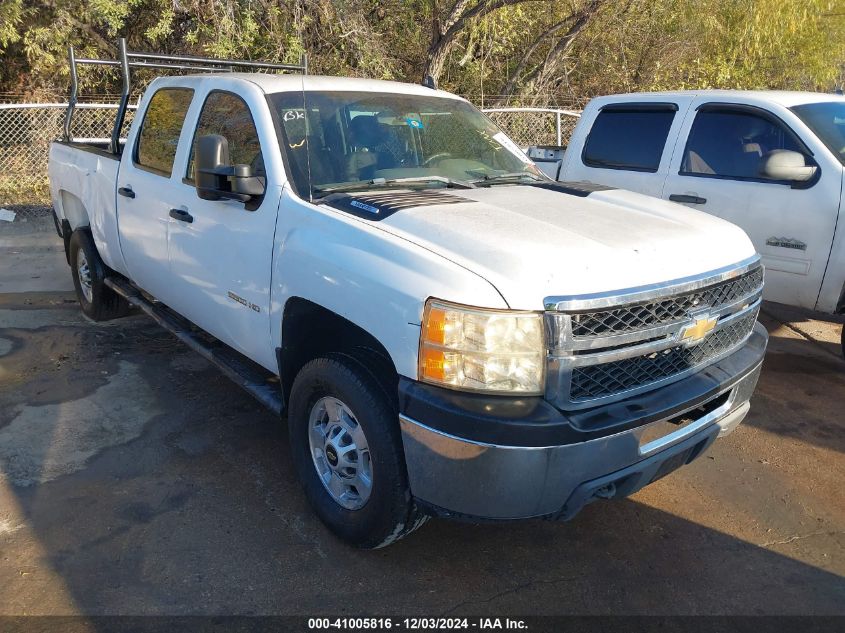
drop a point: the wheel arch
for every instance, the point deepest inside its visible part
(73, 210)
(310, 330)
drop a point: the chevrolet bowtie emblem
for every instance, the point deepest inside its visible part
(698, 329)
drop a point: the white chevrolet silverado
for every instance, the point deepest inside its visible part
(448, 332)
(771, 162)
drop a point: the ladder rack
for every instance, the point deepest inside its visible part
(134, 59)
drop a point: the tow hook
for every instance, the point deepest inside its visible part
(606, 492)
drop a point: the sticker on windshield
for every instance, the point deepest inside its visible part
(509, 145)
(415, 123)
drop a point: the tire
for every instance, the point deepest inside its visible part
(98, 301)
(362, 517)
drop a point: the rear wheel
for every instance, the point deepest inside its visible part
(347, 451)
(98, 301)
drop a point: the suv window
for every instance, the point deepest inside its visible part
(228, 115)
(159, 135)
(630, 138)
(732, 144)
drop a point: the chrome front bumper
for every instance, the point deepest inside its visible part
(454, 476)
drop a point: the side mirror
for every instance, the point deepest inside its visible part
(784, 164)
(216, 178)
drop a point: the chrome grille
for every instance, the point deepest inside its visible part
(599, 381)
(600, 352)
(664, 311)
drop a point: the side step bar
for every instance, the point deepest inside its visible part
(254, 379)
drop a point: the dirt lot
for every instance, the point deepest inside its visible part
(134, 479)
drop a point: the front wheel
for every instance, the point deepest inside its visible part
(98, 301)
(347, 452)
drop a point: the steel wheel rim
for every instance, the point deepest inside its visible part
(83, 272)
(340, 453)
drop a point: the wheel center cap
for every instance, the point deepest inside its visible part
(331, 455)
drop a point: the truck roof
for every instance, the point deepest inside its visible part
(271, 82)
(784, 98)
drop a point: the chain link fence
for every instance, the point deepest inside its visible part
(535, 126)
(26, 131)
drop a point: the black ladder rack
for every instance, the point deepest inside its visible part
(133, 59)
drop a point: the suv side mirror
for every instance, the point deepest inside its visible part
(784, 164)
(216, 178)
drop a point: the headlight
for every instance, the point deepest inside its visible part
(494, 351)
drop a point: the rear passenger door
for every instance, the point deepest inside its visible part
(717, 169)
(147, 189)
(221, 251)
(629, 144)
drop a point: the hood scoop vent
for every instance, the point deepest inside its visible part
(573, 188)
(377, 206)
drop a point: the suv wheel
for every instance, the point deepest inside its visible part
(347, 451)
(98, 301)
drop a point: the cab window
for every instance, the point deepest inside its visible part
(629, 137)
(160, 130)
(228, 115)
(733, 144)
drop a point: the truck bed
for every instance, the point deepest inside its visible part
(83, 179)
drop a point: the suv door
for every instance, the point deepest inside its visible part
(221, 250)
(719, 170)
(147, 189)
(629, 144)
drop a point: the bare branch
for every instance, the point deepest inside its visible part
(542, 72)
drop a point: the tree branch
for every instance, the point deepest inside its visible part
(529, 53)
(542, 71)
(445, 33)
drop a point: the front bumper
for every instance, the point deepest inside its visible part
(484, 457)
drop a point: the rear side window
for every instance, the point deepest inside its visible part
(160, 130)
(629, 138)
(228, 115)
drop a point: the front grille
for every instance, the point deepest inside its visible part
(631, 318)
(606, 379)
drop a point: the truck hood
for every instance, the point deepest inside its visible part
(532, 242)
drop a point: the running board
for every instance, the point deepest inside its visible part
(254, 379)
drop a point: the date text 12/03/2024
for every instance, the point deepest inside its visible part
(413, 624)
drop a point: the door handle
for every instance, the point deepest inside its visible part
(181, 215)
(682, 197)
(126, 192)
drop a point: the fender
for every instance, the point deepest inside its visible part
(832, 294)
(366, 275)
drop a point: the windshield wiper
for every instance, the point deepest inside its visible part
(509, 177)
(395, 182)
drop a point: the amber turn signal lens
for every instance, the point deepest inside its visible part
(435, 326)
(433, 364)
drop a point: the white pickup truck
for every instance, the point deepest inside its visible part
(448, 332)
(770, 162)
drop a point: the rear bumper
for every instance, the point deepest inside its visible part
(606, 452)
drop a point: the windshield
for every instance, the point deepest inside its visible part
(827, 120)
(347, 140)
